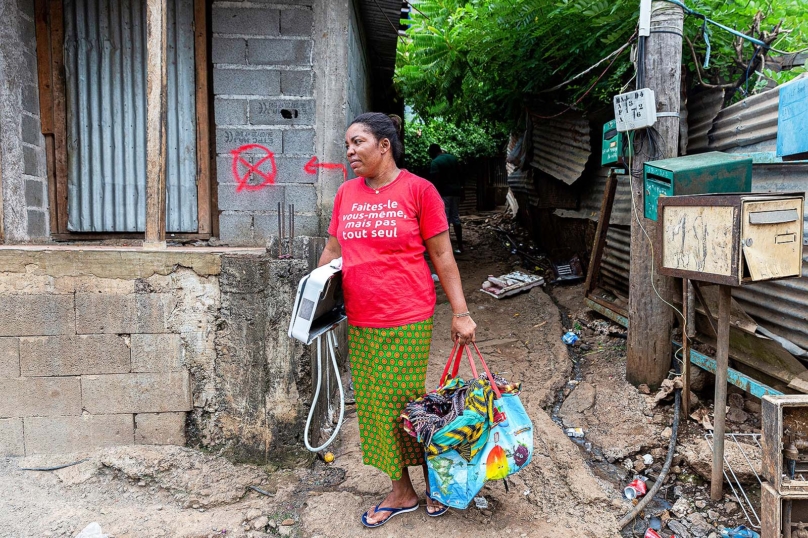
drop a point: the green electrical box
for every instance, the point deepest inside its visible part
(703, 173)
(613, 143)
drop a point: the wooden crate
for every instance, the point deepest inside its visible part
(785, 420)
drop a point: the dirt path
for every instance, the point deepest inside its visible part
(171, 491)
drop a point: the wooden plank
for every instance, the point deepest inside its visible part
(720, 400)
(156, 80)
(600, 234)
(685, 348)
(57, 39)
(50, 162)
(44, 66)
(203, 124)
(648, 356)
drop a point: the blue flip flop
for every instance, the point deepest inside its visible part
(434, 514)
(393, 513)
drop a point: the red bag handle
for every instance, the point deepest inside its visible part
(455, 356)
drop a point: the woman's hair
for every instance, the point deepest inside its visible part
(381, 126)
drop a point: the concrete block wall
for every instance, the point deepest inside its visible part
(23, 175)
(264, 104)
(88, 361)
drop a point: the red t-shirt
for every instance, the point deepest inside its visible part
(385, 278)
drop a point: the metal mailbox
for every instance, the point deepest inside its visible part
(731, 239)
(785, 442)
(704, 173)
(782, 516)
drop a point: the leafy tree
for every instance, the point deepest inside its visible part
(480, 60)
(465, 141)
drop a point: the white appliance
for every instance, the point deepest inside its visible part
(319, 304)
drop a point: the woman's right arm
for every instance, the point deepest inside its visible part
(332, 251)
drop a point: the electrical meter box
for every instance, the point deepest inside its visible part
(782, 514)
(785, 442)
(615, 145)
(704, 173)
(731, 239)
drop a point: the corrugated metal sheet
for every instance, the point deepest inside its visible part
(561, 146)
(105, 48)
(592, 197)
(702, 109)
(381, 20)
(747, 122)
(614, 267)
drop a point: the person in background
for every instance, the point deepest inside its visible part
(444, 173)
(382, 223)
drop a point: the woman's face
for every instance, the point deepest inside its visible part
(365, 153)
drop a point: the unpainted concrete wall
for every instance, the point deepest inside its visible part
(358, 74)
(23, 177)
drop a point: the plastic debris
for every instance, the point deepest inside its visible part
(574, 432)
(570, 338)
(481, 502)
(648, 459)
(93, 530)
(739, 532)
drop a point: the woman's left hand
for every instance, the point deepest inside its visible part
(463, 330)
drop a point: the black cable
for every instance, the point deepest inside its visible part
(54, 468)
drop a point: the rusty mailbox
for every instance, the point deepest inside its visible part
(731, 239)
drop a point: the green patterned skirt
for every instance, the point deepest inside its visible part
(389, 370)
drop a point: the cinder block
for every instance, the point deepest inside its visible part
(123, 314)
(228, 140)
(282, 112)
(36, 224)
(265, 199)
(298, 83)
(279, 51)
(60, 435)
(266, 226)
(296, 22)
(157, 353)
(160, 429)
(34, 192)
(303, 196)
(11, 438)
(31, 131)
(9, 357)
(229, 50)
(292, 170)
(30, 159)
(246, 21)
(246, 82)
(73, 355)
(35, 315)
(40, 396)
(300, 141)
(230, 111)
(30, 98)
(137, 393)
(236, 228)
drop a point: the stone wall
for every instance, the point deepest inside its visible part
(263, 83)
(114, 347)
(23, 176)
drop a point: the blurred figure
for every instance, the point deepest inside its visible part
(445, 175)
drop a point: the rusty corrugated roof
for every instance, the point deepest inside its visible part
(561, 146)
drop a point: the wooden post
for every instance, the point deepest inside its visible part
(600, 234)
(720, 400)
(686, 306)
(650, 319)
(156, 75)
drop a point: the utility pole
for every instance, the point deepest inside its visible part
(650, 319)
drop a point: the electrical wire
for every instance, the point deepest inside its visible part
(588, 69)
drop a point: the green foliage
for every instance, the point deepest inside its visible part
(479, 60)
(464, 140)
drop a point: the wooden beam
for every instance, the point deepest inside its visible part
(203, 123)
(649, 339)
(156, 79)
(720, 400)
(57, 39)
(600, 234)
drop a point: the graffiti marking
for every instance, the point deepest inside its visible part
(240, 163)
(312, 166)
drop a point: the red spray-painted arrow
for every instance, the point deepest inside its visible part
(312, 166)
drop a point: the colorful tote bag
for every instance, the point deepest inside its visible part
(508, 447)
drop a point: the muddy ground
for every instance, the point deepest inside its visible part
(572, 485)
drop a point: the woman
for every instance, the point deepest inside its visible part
(382, 223)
